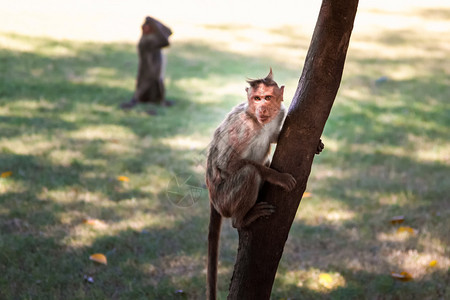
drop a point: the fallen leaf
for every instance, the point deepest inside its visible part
(403, 276)
(397, 219)
(98, 257)
(92, 222)
(123, 178)
(307, 195)
(326, 280)
(432, 263)
(6, 174)
(406, 229)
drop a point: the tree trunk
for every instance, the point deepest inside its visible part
(261, 245)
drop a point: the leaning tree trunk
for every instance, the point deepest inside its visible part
(261, 245)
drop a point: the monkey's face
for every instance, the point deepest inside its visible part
(147, 29)
(265, 102)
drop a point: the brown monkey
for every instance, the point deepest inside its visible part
(238, 163)
(150, 77)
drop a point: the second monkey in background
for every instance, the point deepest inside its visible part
(150, 77)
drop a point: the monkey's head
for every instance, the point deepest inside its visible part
(264, 98)
(147, 27)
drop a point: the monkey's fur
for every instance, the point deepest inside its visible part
(150, 76)
(150, 84)
(238, 164)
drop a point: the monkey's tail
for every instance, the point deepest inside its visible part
(215, 222)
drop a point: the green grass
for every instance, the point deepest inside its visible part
(66, 142)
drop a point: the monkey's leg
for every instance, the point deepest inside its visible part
(284, 180)
(145, 90)
(129, 104)
(245, 211)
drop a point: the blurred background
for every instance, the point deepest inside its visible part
(79, 176)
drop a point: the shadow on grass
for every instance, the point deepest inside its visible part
(153, 263)
(414, 107)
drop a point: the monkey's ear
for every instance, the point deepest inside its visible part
(281, 92)
(246, 90)
(270, 75)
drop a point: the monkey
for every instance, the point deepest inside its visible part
(150, 75)
(238, 163)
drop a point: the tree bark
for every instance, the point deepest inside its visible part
(261, 245)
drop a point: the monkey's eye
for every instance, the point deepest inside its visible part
(257, 98)
(268, 98)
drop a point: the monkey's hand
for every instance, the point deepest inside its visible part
(287, 181)
(320, 147)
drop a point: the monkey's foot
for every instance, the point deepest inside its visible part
(128, 104)
(261, 209)
(168, 103)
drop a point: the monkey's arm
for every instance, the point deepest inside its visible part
(162, 32)
(284, 180)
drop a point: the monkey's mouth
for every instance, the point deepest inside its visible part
(263, 119)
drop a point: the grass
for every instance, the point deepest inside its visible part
(66, 142)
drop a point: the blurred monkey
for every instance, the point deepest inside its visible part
(150, 76)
